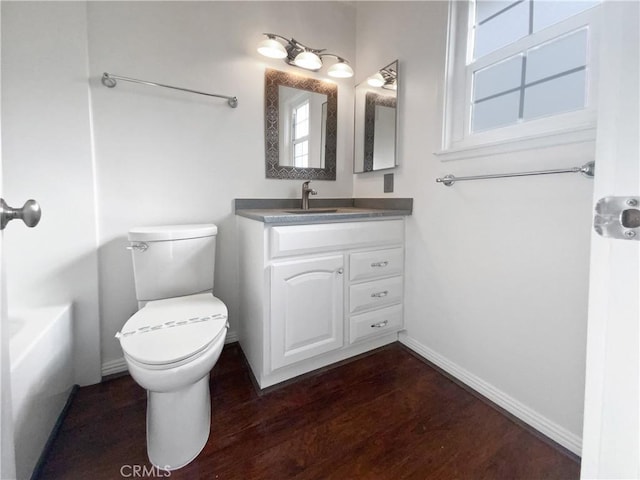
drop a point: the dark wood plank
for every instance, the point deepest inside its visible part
(385, 415)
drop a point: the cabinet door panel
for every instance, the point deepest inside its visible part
(306, 309)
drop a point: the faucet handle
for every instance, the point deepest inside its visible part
(306, 188)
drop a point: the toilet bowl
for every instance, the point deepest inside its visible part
(172, 359)
(171, 344)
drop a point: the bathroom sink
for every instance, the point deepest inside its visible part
(312, 210)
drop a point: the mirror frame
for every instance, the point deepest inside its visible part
(275, 78)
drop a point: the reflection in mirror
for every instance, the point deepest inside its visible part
(300, 122)
(376, 121)
(301, 127)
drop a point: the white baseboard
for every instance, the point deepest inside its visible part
(542, 424)
(119, 365)
(231, 337)
(114, 366)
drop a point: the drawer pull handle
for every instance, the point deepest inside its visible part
(380, 294)
(380, 324)
(380, 264)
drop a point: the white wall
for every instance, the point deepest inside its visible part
(168, 157)
(47, 155)
(497, 270)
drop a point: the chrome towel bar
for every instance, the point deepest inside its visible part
(588, 170)
(109, 80)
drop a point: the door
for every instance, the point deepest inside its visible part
(7, 456)
(306, 308)
(611, 420)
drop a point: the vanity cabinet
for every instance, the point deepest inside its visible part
(314, 294)
(306, 308)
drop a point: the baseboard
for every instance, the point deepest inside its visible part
(232, 337)
(550, 429)
(113, 367)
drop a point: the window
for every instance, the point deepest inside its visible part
(519, 71)
(300, 135)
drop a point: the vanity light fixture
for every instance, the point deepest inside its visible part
(385, 78)
(299, 55)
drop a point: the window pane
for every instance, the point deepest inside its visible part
(557, 56)
(496, 112)
(486, 8)
(497, 78)
(550, 12)
(301, 154)
(302, 113)
(559, 95)
(302, 129)
(502, 30)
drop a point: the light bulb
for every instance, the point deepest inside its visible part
(340, 70)
(272, 48)
(376, 80)
(308, 60)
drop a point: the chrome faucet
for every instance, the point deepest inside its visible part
(306, 191)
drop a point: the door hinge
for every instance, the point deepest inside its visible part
(618, 217)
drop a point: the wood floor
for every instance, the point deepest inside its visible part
(387, 415)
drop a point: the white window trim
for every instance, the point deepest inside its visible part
(570, 127)
(298, 140)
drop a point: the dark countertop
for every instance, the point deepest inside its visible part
(281, 211)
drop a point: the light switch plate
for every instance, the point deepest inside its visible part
(388, 183)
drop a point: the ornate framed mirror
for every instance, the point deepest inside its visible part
(301, 124)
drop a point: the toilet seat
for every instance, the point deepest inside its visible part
(168, 332)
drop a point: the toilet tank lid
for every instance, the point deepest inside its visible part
(172, 232)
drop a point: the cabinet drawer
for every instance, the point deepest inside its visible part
(375, 294)
(376, 263)
(325, 237)
(374, 323)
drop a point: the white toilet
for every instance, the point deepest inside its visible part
(174, 340)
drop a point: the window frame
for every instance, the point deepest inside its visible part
(304, 138)
(459, 142)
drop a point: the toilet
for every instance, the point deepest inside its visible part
(175, 338)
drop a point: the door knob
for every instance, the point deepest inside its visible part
(30, 213)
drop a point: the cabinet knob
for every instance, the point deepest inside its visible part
(340, 271)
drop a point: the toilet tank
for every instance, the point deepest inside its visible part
(173, 260)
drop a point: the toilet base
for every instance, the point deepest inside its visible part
(178, 424)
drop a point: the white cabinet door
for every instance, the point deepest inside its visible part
(306, 308)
